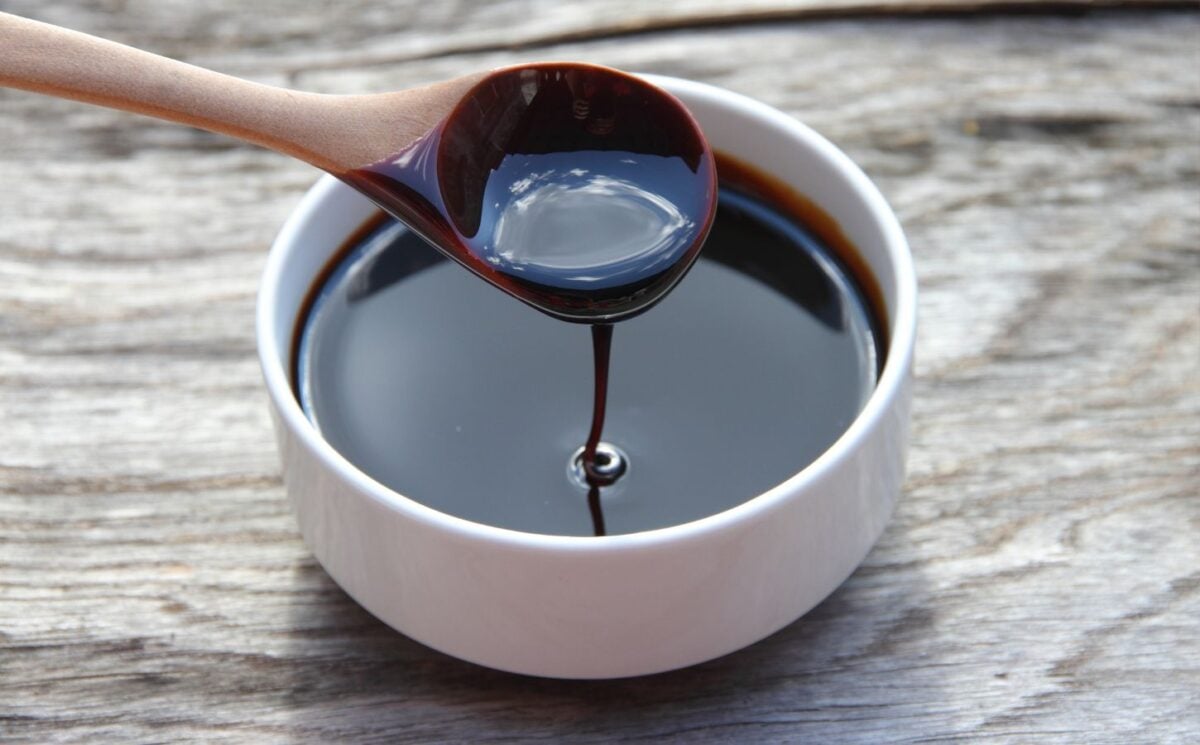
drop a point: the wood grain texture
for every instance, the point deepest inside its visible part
(1040, 580)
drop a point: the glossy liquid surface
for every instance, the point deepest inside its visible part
(582, 191)
(455, 396)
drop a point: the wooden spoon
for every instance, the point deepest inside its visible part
(462, 197)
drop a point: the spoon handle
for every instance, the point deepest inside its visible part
(48, 59)
(334, 133)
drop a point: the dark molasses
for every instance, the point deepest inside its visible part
(453, 395)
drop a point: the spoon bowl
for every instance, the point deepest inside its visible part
(583, 191)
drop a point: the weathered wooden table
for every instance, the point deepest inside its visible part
(1040, 580)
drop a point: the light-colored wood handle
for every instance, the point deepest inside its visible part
(56, 61)
(335, 133)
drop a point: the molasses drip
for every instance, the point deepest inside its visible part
(596, 475)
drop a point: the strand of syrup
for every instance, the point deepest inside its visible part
(601, 346)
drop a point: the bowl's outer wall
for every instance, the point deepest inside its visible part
(625, 605)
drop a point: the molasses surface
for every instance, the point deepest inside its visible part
(457, 397)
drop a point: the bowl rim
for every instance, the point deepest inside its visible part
(888, 389)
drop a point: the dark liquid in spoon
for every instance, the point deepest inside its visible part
(580, 190)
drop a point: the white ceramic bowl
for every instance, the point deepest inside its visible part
(584, 607)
